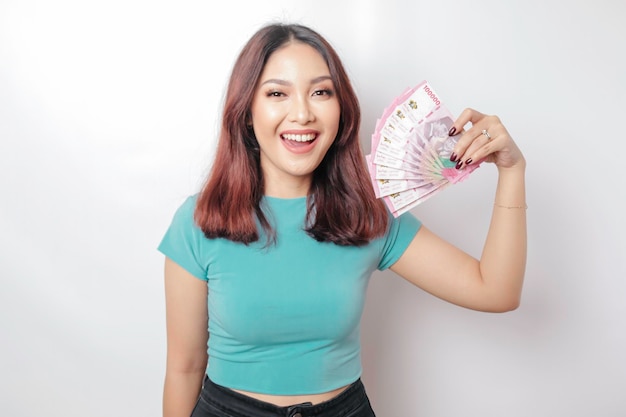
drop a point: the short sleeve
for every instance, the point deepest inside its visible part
(401, 231)
(183, 240)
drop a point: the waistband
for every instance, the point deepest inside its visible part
(243, 406)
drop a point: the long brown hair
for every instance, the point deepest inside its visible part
(341, 205)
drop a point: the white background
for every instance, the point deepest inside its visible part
(108, 114)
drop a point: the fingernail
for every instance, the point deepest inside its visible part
(453, 157)
(468, 161)
(452, 131)
(459, 164)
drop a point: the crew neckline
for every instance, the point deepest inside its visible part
(271, 198)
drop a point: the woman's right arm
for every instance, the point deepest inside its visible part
(187, 334)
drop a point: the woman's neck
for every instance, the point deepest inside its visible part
(296, 187)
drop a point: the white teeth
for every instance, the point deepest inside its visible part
(300, 138)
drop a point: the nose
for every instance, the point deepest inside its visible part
(301, 111)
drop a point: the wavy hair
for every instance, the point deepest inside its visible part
(341, 205)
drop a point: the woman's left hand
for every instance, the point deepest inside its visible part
(486, 140)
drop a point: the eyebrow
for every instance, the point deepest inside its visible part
(287, 83)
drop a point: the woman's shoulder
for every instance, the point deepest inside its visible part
(183, 217)
(188, 206)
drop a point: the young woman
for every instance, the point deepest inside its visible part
(273, 256)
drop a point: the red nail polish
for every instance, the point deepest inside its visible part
(453, 157)
(459, 164)
(468, 161)
(452, 131)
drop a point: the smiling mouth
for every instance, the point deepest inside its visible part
(309, 137)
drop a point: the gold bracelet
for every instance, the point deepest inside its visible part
(511, 207)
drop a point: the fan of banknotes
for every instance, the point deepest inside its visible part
(410, 153)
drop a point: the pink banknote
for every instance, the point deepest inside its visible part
(410, 153)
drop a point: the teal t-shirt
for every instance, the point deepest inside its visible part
(283, 319)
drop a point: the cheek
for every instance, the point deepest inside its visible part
(334, 122)
(335, 116)
(266, 118)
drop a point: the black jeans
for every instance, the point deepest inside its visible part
(218, 401)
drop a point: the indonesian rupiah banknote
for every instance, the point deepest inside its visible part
(410, 153)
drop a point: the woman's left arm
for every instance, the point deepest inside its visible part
(493, 283)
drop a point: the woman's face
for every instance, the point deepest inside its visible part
(295, 117)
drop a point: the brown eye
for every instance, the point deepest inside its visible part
(324, 92)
